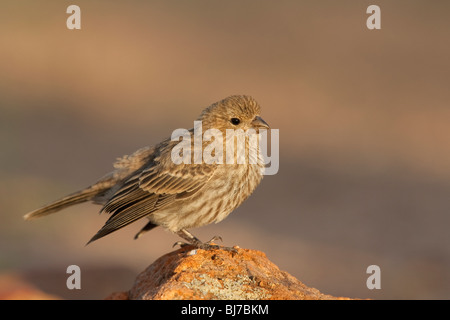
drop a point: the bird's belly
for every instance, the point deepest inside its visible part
(213, 203)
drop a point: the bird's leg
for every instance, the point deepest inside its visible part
(189, 237)
(194, 241)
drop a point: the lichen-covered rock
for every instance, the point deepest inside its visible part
(190, 273)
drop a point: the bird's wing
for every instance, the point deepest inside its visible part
(153, 187)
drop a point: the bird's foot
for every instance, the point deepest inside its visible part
(208, 245)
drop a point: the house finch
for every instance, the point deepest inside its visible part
(179, 196)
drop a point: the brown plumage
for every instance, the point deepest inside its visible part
(177, 196)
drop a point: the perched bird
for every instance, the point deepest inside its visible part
(178, 196)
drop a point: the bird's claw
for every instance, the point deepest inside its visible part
(181, 244)
(215, 238)
(205, 245)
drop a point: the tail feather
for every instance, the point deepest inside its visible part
(74, 198)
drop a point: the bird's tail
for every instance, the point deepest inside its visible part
(74, 198)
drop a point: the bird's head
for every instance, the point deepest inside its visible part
(234, 112)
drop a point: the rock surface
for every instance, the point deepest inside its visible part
(195, 274)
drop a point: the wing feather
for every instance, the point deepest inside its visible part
(153, 187)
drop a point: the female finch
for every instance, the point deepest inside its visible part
(179, 196)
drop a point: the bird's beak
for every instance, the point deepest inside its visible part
(258, 122)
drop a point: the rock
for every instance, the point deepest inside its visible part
(195, 274)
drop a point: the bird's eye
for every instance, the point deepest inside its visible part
(235, 121)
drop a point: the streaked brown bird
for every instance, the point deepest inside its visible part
(150, 184)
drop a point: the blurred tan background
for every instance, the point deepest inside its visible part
(364, 134)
